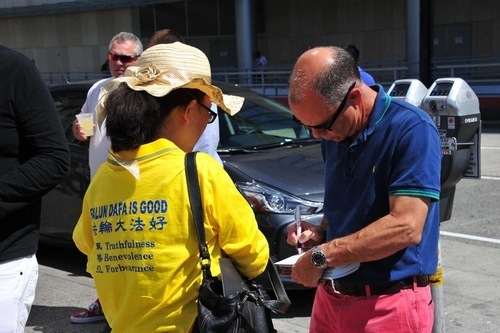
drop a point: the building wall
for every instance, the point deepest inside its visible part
(481, 16)
(79, 41)
(378, 28)
(67, 42)
(24, 3)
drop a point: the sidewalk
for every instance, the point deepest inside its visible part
(471, 295)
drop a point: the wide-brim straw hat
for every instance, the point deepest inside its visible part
(166, 67)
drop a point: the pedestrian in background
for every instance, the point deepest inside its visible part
(124, 50)
(165, 36)
(105, 67)
(365, 76)
(144, 257)
(382, 186)
(260, 60)
(259, 64)
(34, 158)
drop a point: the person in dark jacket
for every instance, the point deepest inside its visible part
(34, 157)
(365, 76)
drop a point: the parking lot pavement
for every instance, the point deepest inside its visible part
(470, 282)
(65, 288)
(471, 296)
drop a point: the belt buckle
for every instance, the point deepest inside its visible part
(331, 283)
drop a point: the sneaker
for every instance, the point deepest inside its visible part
(91, 314)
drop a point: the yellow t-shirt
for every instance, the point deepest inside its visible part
(141, 243)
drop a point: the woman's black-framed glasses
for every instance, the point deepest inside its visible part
(327, 125)
(212, 114)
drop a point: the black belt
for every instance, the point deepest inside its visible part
(389, 288)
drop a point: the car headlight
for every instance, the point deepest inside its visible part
(263, 198)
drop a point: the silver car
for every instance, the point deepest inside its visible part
(274, 162)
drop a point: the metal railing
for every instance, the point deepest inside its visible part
(488, 73)
(52, 78)
(273, 81)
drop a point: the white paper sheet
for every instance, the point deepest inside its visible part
(328, 274)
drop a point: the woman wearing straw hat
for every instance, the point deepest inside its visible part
(136, 226)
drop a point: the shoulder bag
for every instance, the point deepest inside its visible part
(249, 308)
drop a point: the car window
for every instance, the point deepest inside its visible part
(259, 122)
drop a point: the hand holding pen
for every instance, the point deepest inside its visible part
(310, 233)
(298, 224)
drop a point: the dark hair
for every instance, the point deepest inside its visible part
(134, 118)
(338, 75)
(353, 50)
(165, 36)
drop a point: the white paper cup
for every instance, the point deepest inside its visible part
(86, 121)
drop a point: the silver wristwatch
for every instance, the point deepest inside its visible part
(318, 258)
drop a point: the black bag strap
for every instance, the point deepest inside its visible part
(282, 303)
(196, 209)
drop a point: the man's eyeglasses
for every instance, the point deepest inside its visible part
(123, 58)
(327, 125)
(212, 114)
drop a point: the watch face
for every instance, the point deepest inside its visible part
(318, 258)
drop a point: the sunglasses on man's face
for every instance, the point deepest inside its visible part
(327, 125)
(123, 58)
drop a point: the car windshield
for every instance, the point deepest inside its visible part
(261, 122)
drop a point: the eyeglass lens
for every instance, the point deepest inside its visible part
(212, 114)
(122, 58)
